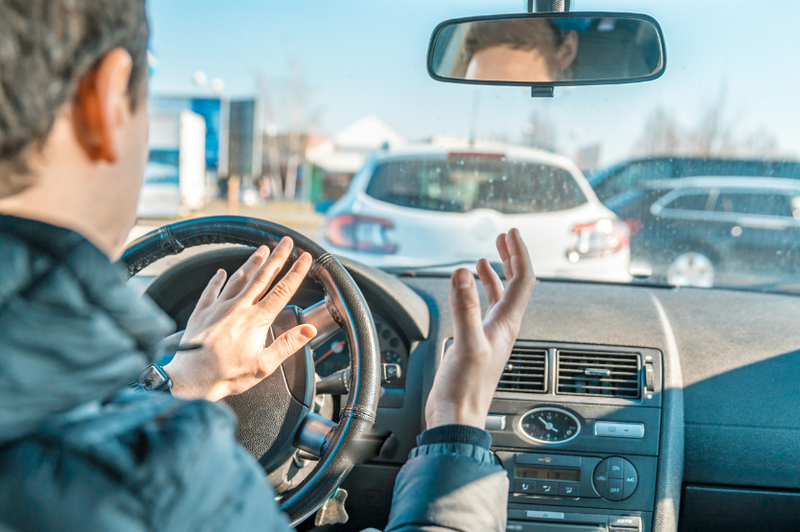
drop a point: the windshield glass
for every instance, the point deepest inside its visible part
(465, 183)
(322, 117)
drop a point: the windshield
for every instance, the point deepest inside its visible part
(322, 117)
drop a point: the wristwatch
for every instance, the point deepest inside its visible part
(155, 379)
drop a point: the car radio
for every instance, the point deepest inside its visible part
(612, 478)
(603, 493)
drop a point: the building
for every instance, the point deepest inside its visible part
(331, 162)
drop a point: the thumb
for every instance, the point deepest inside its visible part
(285, 346)
(465, 307)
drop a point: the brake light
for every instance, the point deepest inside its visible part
(634, 225)
(599, 239)
(470, 155)
(361, 233)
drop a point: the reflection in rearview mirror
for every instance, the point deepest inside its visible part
(548, 48)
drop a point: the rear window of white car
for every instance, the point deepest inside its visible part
(465, 183)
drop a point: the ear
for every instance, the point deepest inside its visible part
(101, 106)
(565, 55)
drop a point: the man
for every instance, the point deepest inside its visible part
(79, 450)
(530, 50)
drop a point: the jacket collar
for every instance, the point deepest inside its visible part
(71, 329)
(102, 281)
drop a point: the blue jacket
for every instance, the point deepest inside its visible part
(80, 451)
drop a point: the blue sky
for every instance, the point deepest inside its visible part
(368, 57)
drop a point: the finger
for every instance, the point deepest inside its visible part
(211, 291)
(283, 347)
(240, 279)
(515, 298)
(519, 257)
(505, 256)
(491, 281)
(262, 278)
(281, 293)
(465, 307)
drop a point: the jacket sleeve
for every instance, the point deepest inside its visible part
(451, 483)
(197, 478)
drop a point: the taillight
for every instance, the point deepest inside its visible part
(362, 233)
(472, 155)
(634, 225)
(599, 239)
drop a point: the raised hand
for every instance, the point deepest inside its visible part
(231, 322)
(471, 368)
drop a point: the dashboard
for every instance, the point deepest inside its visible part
(622, 407)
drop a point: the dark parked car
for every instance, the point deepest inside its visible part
(621, 177)
(715, 230)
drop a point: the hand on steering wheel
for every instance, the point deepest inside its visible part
(232, 323)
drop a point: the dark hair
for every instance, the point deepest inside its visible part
(518, 34)
(46, 46)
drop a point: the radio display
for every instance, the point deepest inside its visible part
(547, 473)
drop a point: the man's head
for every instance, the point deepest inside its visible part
(73, 113)
(525, 49)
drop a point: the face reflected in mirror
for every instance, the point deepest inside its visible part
(520, 50)
(548, 48)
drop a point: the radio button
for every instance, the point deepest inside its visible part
(546, 488)
(615, 467)
(614, 489)
(600, 478)
(629, 521)
(524, 486)
(535, 514)
(569, 489)
(495, 423)
(611, 429)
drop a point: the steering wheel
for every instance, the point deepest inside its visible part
(276, 416)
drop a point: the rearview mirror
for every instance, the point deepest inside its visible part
(548, 49)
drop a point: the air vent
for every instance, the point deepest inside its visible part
(525, 371)
(599, 373)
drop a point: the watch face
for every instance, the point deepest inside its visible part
(152, 379)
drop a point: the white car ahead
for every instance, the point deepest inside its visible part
(421, 207)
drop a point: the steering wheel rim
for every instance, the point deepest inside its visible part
(347, 306)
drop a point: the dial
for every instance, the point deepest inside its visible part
(549, 425)
(334, 354)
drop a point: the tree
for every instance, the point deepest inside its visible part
(714, 135)
(301, 120)
(273, 151)
(661, 136)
